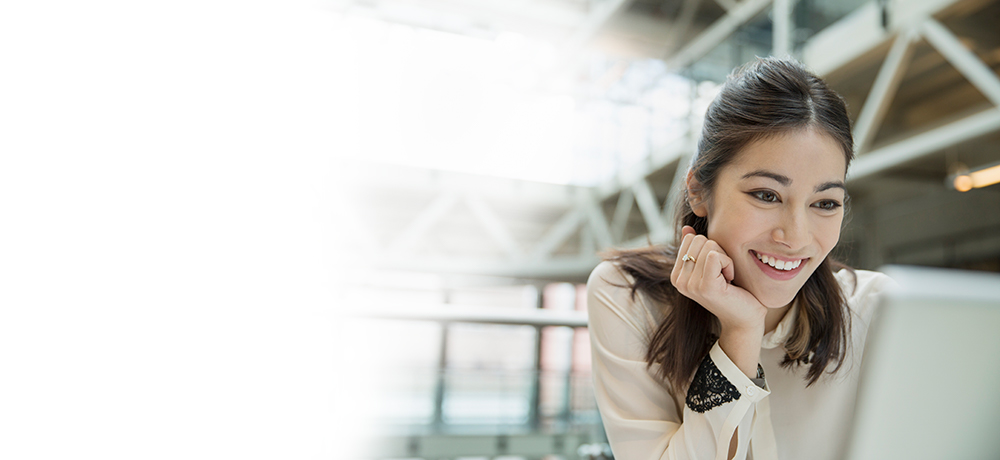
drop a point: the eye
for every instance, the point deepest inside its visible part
(766, 196)
(828, 205)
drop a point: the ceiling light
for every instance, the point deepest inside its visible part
(979, 178)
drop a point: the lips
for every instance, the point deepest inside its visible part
(776, 273)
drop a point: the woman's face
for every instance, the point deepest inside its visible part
(781, 198)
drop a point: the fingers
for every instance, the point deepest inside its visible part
(707, 280)
(711, 270)
(708, 266)
(728, 271)
(681, 250)
(691, 245)
(717, 263)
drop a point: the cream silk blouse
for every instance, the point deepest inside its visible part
(783, 419)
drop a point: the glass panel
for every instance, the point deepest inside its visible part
(401, 378)
(491, 347)
(490, 375)
(557, 342)
(487, 398)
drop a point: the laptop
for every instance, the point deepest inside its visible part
(930, 382)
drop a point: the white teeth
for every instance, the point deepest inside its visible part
(780, 264)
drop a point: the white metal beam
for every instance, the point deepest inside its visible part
(557, 234)
(424, 221)
(677, 187)
(622, 210)
(860, 32)
(598, 224)
(645, 240)
(560, 268)
(981, 76)
(883, 90)
(650, 209)
(588, 242)
(781, 31)
(657, 160)
(493, 225)
(926, 143)
(729, 5)
(471, 314)
(685, 17)
(716, 33)
(844, 41)
(366, 176)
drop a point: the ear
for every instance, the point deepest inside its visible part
(696, 196)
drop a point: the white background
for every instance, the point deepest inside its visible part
(166, 260)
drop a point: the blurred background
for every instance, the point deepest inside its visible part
(496, 146)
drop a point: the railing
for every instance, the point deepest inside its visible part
(425, 413)
(484, 401)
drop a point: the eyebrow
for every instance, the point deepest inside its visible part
(786, 181)
(828, 185)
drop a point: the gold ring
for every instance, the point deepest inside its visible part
(687, 258)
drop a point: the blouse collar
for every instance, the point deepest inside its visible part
(777, 337)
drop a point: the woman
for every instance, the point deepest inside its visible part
(743, 339)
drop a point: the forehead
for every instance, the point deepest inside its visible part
(809, 155)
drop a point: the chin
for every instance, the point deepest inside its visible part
(773, 299)
(775, 302)
(778, 294)
(780, 303)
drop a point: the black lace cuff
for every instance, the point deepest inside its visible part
(710, 388)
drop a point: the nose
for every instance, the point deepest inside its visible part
(792, 229)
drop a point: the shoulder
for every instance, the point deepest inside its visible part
(610, 286)
(608, 275)
(609, 295)
(862, 288)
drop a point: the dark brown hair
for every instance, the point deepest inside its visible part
(764, 98)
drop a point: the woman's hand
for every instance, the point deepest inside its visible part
(706, 280)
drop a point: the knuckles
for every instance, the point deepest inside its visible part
(693, 285)
(696, 284)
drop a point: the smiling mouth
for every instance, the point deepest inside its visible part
(779, 269)
(779, 264)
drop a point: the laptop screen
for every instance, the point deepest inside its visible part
(930, 382)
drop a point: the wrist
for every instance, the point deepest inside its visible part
(748, 328)
(747, 338)
(742, 345)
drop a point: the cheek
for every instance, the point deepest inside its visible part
(828, 233)
(733, 228)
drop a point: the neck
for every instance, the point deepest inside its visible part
(774, 316)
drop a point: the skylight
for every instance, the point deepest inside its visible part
(507, 106)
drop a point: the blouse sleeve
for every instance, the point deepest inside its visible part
(641, 418)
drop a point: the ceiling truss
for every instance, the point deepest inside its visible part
(562, 244)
